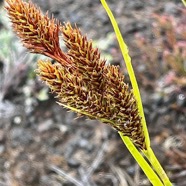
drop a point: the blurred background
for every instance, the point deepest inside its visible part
(42, 144)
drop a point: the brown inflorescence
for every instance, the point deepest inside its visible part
(80, 79)
(38, 32)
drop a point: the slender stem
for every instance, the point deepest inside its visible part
(155, 180)
(152, 176)
(184, 2)
(155, 163)
(130, 70)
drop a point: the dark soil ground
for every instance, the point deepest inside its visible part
(41, 144)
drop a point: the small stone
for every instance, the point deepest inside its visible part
(83, 143)
(46, 125)
(181, 100)
(17, 120)
(73, 163)
(2, 149)
(170, 8)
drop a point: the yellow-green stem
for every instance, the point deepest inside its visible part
(136, 154)
(151, 175)
(184, 2)
(149, 172)
(130, 70)
(156, 165)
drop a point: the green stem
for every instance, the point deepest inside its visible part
(130, 70)
(156, 165)
(151, 175)
(136, 154)
(184, 2)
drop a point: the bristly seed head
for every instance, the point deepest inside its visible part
(80, 78)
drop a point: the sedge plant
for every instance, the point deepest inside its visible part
(83, 83)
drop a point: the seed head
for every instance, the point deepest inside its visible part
(80, 79)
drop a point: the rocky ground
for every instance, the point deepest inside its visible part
(41, 144)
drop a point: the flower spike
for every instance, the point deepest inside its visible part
(80, 79)
(38, 32)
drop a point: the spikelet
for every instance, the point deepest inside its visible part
(80, 79)
(85, 57)
(38, 33)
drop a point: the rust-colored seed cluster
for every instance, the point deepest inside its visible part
(80, 78)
